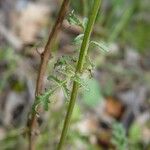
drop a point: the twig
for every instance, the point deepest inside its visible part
(45, 56)
(79, 70)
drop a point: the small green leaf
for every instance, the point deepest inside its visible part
(66, 91)
(102, 46)
(93, 96)
(55, 79)
(119, 136)
(60, 62)
(78, 39)
(35, 105)
(89, 64)
(65, 63)
(135, 133)
(61, 84)
(78, 78)
(84, 23)
(73, 20)
(43, 99)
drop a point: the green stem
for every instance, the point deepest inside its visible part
(79, 69)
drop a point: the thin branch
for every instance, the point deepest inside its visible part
(45, 56)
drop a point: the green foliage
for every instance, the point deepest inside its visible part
(10, 58)
(134, 138)
(43, 99)
(12, 140)
(84, 23)
(139, 36)
(92, 96)
(119, 136)
(108, 88)
(135, 133)
(122, 23)
(78, 39)
(73, 20)
(64, 72)
(89, 65)
(63, 76)
(80, 80)
(8, 55)
(62, 84)
(102, 46)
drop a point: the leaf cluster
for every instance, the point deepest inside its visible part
(119, 136)
(62, 77)
(64, 69)
(73, 20)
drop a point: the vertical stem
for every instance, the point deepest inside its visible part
(84, 7)
(79, 69)
(45, 56)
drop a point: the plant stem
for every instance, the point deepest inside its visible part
(45, 56)
(79, 70)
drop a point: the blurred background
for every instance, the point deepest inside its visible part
(115, 113)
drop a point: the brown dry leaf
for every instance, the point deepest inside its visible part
(113, 107)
